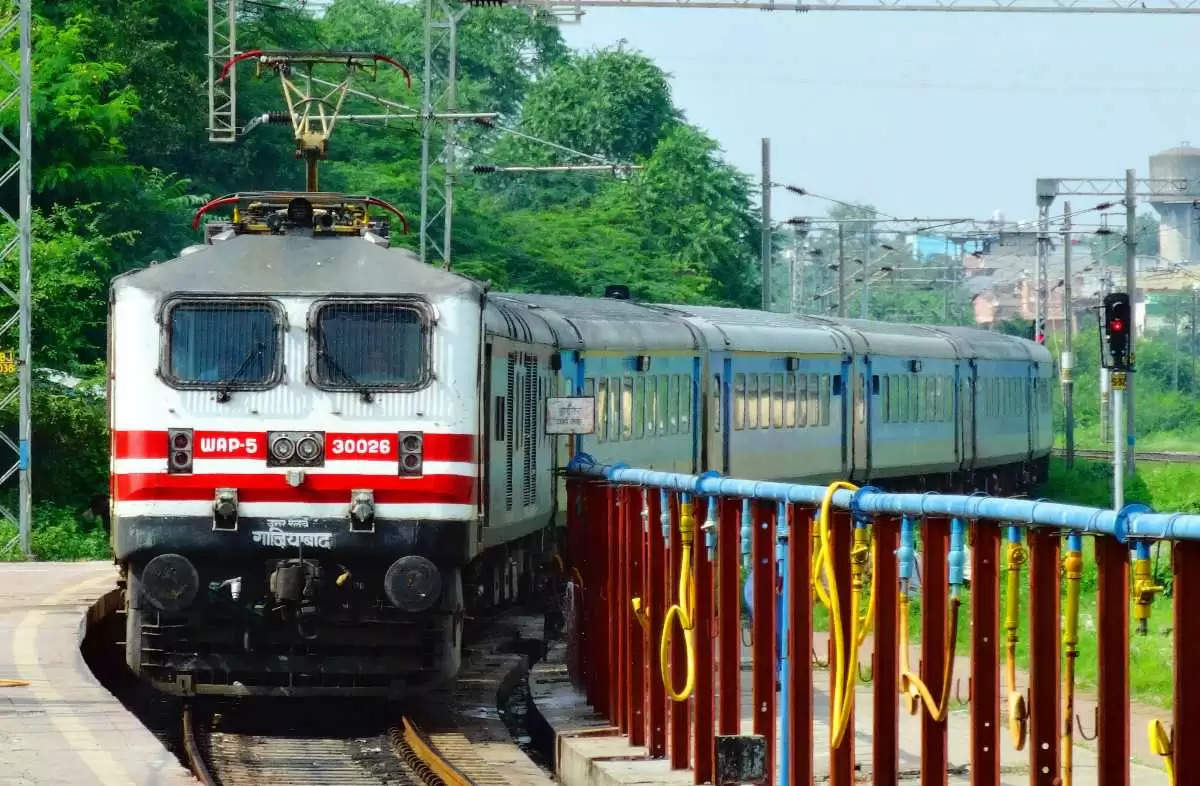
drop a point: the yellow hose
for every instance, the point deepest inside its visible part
(1162, 744)
(683, 611)
(845, 662)
(1073, 571)
(911, 685)
(1018, 713)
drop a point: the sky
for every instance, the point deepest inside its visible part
(922, 114)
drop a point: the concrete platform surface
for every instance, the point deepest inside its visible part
(589, 751)
(64, 727)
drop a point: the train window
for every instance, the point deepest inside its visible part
(639, 407)
(651, 399)
(884, 414)
(896, 399)
(614, 409)
(874, 384)
(789, 405)
(764, 401)
(802, 416)
(368, 345)
(673, 404)
(685, 404)
(739, 401)
(818, 399)
(627, 408)
(860, 405)
(824, 396)
(230, 344)
(752, 402)
(662, 403)
(777, 401)
(716, 403)
(602, 410)
(914, 400)
(931, 411)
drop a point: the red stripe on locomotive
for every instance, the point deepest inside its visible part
(153, 445)
(427, 489)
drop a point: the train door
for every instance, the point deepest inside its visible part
(843, 385)
(965, 406)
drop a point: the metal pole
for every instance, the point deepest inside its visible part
(1118, 388)
(1175, 341)
(26, 279)
(766, 224)
(793, 268)
(1105, 403)
(1068, 356)
(1193, 384)
(452, 17)
(1131, 288)
(1039, 272)
(866, 298)
(841, 270)
(426, 130)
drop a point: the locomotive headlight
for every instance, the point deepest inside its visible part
(179, 450)
(283, 448)
(412, 448)
(308, 448)
(413, 583)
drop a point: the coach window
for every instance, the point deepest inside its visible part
(739, 401)
(662, 403)
(685, 404)
(789, 405)
(368, 345)
(673, 404)
(627, 408)
(716, 403)
(752, 402)
(802, 417)
(614, 409)
(639, 407)
(777, 401)
(227, 344)
(764, 401)
(824, 398)
(602, 410)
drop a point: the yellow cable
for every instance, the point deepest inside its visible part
(1162, 744)
(911, 685)
(1073, 571)
(1018, 713)
(682, 611)
(13, 683)
(845, 662)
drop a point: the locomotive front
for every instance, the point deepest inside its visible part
(295, 484)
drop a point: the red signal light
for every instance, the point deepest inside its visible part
(1117, 325)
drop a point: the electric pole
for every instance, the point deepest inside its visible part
(1131, 288)
(866, 265)
(841, 270)
(766, 224)
(1105, 404)
(1175, 341)
(1194, 292)
(1068, 357)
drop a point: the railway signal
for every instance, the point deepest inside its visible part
(1116, 326)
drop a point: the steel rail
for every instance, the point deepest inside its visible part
(195, 760)
(442, 771)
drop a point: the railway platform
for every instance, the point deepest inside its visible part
(58, 724)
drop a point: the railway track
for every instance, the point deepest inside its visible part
(230, 751)
(433, 741)
(1142, 455)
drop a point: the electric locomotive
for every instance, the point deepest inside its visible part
(325, 453)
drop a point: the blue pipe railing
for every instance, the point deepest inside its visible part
(1125, 524)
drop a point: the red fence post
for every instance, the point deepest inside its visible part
(612, 666)
(799, 644)
(597, 596)
(985, 654)
(885, 737)
(635, 675)
(841, 758)
(705, 630)
(1044, 644)
(935, 544)
(1112, 651)
(729, 609)
(762, 552)
(621, 616)
(656, 600)
(1186, 588)
(678, 709)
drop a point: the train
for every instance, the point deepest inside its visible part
(327, 454)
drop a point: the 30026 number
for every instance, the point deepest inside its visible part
(360, 447)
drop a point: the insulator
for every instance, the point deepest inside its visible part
(279, 117)
(486, 122)
(483, 169)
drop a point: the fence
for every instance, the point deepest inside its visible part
(660, 558)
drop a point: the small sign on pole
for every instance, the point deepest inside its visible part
(8, 362)
(571, 415)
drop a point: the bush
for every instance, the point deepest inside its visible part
(59, 533)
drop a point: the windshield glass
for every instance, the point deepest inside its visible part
(369, 345)
(228, 344)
